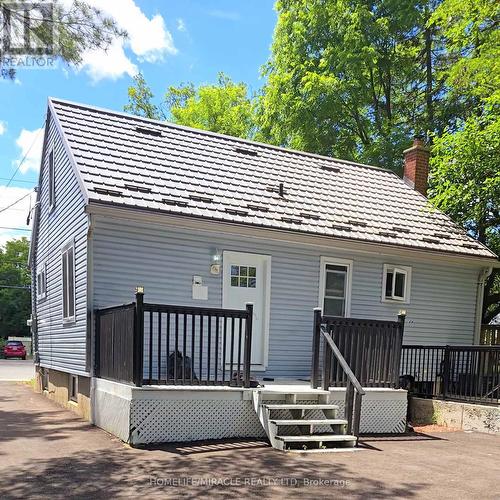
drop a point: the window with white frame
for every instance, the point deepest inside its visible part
(396, 283)
(52, 181)
(335, 283)
(68, 278)
(41, 282)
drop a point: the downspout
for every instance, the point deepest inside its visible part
(90, 316)
(483, 276)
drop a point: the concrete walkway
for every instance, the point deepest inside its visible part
(16, 369)
(46, 452)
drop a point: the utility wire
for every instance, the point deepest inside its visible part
(25, 156)
(34, 183)
(16, 202)
(15, 228)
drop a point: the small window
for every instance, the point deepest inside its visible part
(244, 276)
(41, 282)
(396, 283)
(52, 182)
(68, 278)
(335, 287)
(73, 388)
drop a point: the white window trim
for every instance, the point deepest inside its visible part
(42, 270)
(404, 270)
(65, 248)
(322, 281)
(52, 178)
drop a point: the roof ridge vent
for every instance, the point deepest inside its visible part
(291, 220)
(329, 168)
(135, 187)
(246, 151)
(401, 229)
(307, 215)
(148, 130)
(110, 192)
(260, 208)
(174, 202)
(341, 227)
(197, 197)
(356, 222)
(234, 211)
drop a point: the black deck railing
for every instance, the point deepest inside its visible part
(372, 349)
(154, 344)
(459, 373)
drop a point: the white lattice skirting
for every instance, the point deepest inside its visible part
(142, 416)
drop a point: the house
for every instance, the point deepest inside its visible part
(205, 225)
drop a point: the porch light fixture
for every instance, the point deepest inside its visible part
(402, 312)
(139, 289)
(216, 261)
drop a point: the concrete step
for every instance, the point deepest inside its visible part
(292, 406)
(306, 421)
(318, 438)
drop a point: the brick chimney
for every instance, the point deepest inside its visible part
(416, 169)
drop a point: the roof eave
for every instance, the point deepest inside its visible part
(492, 260)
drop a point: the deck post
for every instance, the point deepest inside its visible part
(446, 370)
(139, 336)
(248, 345)
(315, 348)
(399, 348)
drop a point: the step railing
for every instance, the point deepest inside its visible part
(322, 340)
(354, 392)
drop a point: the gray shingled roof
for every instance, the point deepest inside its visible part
(130, 161)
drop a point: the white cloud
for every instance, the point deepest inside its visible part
(3, 127)
(30, 142)
(14, 217)
(112, 63)
(181, 25)
(149, 40)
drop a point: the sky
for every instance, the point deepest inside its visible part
(170, 42)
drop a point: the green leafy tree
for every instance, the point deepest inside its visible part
(15, 302)
(224, 107)
(347, 78)
(465, 180)
(74, 28)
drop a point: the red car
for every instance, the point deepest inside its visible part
(14, 349)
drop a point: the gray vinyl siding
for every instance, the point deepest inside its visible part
(61, 346)
(126, 254)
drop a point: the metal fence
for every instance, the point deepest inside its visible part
(461, 373)
(490, 335)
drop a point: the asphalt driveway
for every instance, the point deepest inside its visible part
(47, 452)
(16, 369)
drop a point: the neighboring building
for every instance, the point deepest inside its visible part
(202, 219)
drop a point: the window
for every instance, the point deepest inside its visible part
(73, 388)
(396, 283)
(244, 276)
(68, 275)
(335, 283)
(41, 282)
(52, 182)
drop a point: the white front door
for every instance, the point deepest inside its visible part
(246, 278)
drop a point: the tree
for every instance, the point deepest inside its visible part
(15, 302)
(224, 107)
(348, 79)
(67, 32)
(465, 179)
